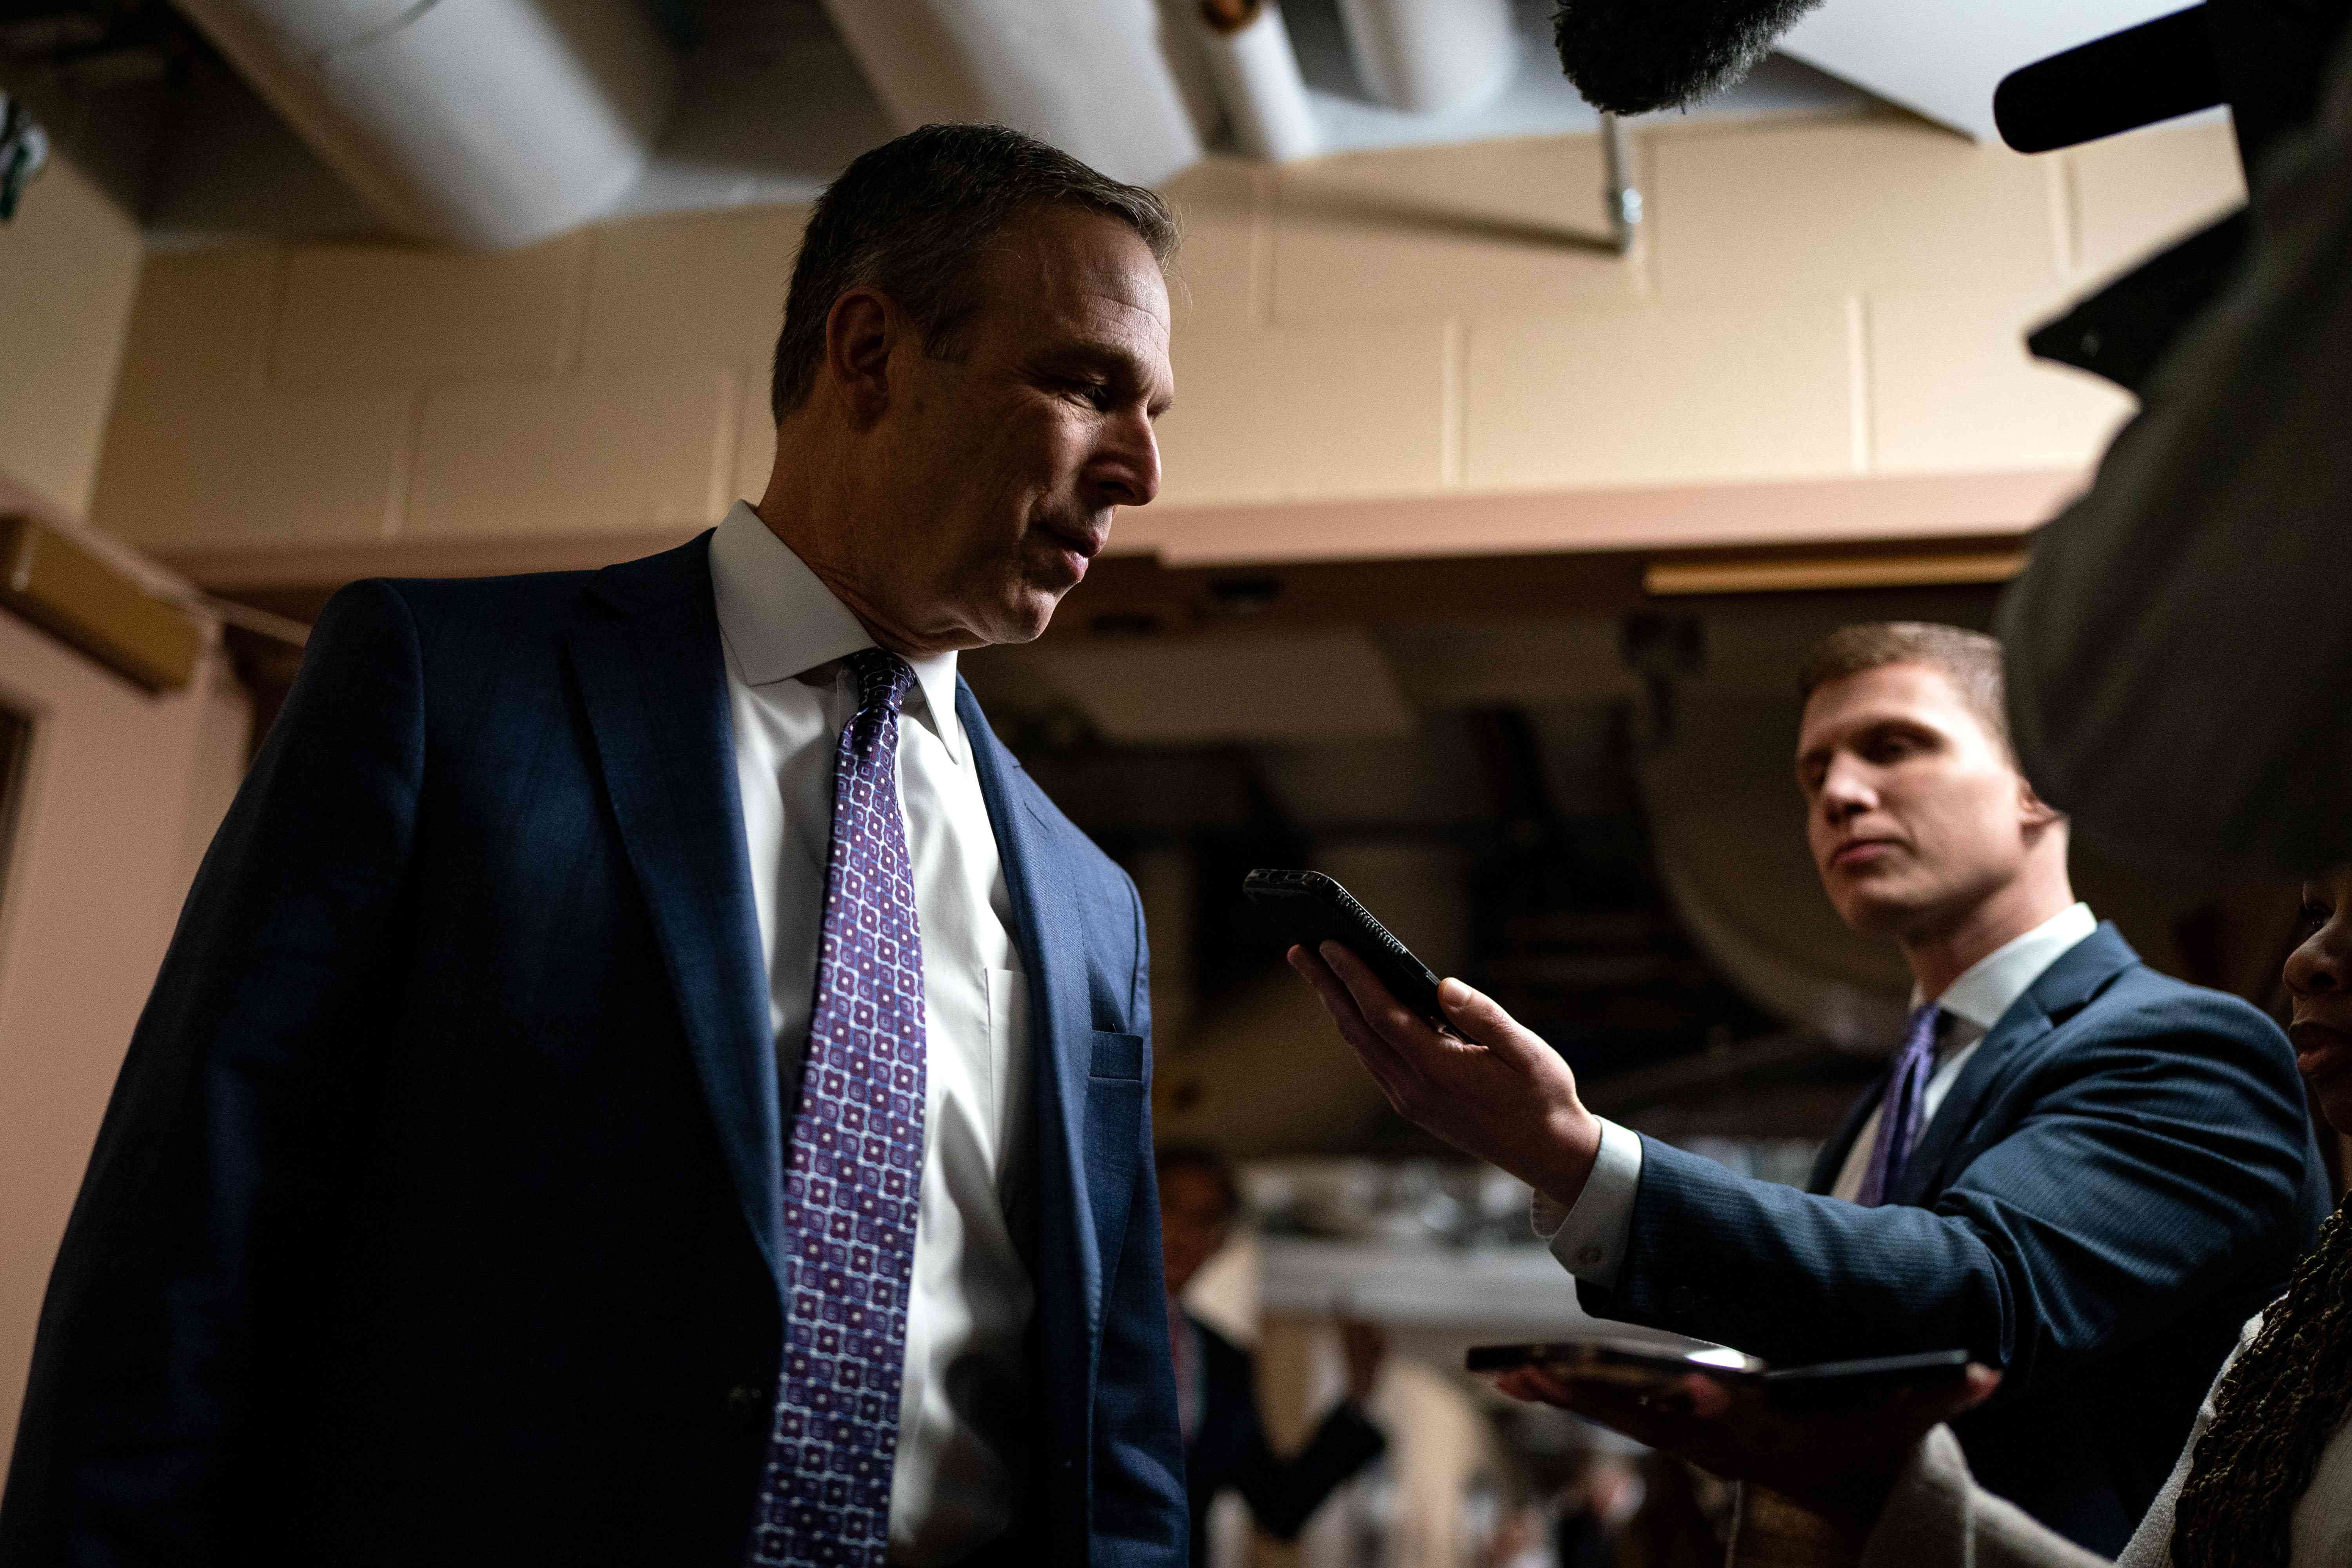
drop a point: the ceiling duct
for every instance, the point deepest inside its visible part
(1432, 57)
(485, 123)
(1091, 77)
(1250, 59)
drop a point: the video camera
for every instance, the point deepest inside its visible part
(2267, 59)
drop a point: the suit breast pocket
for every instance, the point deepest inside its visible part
(1114, 1056)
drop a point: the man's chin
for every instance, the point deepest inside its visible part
(1024, 617)
(1876, 911)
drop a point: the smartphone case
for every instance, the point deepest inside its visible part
(1310, 909)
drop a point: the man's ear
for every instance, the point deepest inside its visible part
(2038, 813)
(860, 331)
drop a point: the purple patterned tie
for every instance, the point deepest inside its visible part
(854, 1174)
(1899, 1109)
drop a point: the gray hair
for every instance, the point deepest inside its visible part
(911, 219)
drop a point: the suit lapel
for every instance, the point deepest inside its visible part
(2079, 973)
(1059, 1017)
(647, 657)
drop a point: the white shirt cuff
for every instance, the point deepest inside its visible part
(1589, 1239)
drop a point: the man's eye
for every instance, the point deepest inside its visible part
(2310, 918)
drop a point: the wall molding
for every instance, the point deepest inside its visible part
(1875, 509)
(1864, 510)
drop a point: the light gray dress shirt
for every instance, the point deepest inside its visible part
(962, 1441)
(1589, 1239)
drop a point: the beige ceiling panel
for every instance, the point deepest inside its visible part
(1481, 229)
(2135, 193)
(1824, 210)
(1953, 389)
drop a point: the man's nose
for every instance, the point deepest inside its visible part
(1845, 791)
(1126, 472)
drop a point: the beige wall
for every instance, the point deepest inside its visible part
(123, 793)
(68, 268)
(123, 788)
(1813, 300)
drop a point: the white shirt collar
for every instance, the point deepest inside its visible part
(780, 620)
(1987, 987)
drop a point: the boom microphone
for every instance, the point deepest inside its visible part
(2154, 71)
(1629, 57)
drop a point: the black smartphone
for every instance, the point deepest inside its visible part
(1309, 909)
(1641, 1365)
(1653, 1368)
(1850, 1385)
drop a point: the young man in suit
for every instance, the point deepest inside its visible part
(1226, 1445)
(2084, 1172)
(644, 1076)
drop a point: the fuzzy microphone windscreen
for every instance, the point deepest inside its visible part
(1629, 57)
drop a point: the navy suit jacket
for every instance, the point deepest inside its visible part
(2122, 1174)
(435, 1215)
(1229, 1448)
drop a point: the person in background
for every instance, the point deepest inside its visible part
(2265, 1481)
(2082, 1170)
(1216, 1380)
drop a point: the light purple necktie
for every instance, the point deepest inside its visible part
(1899, 1109)
(853, 1174)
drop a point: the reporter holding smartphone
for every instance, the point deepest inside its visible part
(2267, 1478)
(2081, 1171)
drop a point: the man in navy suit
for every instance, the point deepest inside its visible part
(1226, 1445)
(2084, 1174)
(644, 1076)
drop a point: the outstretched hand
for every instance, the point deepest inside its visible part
(1841, 1464)
(1491, 1089)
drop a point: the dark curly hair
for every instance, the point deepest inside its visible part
(2282, 1401)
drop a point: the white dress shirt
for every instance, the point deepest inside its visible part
(963, 1446)
(1589, 1239)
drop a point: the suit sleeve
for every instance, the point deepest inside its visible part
(1283, 1494)
(2179, 652)
(1141, 1513)
(2160, 1163)
(216, 1165)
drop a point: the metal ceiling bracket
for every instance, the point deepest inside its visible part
(1619, 193)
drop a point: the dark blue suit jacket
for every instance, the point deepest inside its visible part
(2122, 1173)
(435, 1216)
(1229, 1448)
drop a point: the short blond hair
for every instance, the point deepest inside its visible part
(1970, 660)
